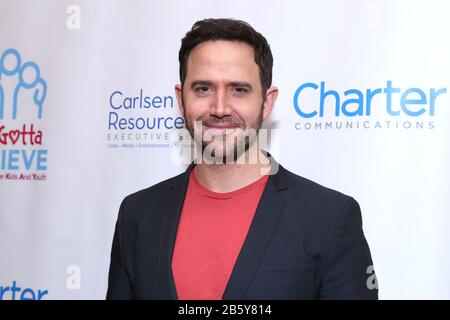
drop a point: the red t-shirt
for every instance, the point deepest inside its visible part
(211, 232)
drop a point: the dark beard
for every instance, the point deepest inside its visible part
(249, 140)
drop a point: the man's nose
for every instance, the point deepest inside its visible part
(220, 105)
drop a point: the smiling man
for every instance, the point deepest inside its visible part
(236, 225)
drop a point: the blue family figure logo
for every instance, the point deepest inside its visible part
(36, 83)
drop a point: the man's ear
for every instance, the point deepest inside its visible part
(271, 97)
(179, 95)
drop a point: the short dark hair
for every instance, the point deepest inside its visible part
(232, 30)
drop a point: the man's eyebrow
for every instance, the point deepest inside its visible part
(241, 84)
(201, 83)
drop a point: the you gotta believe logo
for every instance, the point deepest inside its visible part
(22, 96)
(140, 121)
(390, 107)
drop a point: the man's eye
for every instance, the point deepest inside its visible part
(202, 90)
(240, 90)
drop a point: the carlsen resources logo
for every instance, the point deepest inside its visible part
(141, 121)
(22, 96)
(319, 107)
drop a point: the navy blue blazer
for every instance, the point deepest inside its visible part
(305, 242)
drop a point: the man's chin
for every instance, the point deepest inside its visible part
(222, 155)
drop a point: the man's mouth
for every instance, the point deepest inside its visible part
(220, 128)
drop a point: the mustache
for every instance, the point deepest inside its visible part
(227, 121)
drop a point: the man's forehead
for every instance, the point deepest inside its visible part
(222, 43)
(221, 50)
(232, 58)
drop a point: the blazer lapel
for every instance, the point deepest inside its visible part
(172, 206)
(266, 216)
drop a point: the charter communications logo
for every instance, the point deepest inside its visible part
(390, 107)
(22, 97)
(13, 292)
(141, 121)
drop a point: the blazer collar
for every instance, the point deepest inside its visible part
(266, 216)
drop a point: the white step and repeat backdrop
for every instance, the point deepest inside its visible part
(87, 109)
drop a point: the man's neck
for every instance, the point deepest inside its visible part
(229, 177)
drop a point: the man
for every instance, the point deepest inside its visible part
(225, 228)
